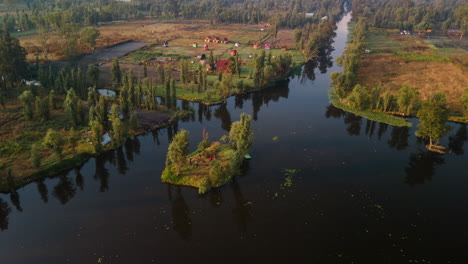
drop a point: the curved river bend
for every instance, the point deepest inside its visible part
(334, 188)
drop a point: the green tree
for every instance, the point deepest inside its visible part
(52, 100)
(133, 122)
(89, 35)
(42, 108)
(178, 149)
(433, 116)
(407, 99)
(35, 156)
(13, 66)
(226, 85)
(241, 134)
(464, 101)
(27, 99)
(118, 129)
(96, 137)
(116, 73)
(93, 74)
(359, 98)
(71, 107)
(55, 142)
(73, 138)
(461, 18)
(211, 60)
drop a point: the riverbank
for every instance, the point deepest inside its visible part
(23, 171)
(371, 115)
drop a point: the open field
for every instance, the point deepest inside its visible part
(431, 64)
(151, 31)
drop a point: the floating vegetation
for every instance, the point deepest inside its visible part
(275, 138)
(288, 176)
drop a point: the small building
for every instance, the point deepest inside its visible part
(255, 46)
(203, 57)
(195, 45)
(307, 15)
(429, 30)
(166, 44)
(233, 52)
(237, 45)
(325, 18)
(217, 40)
(454, 32)
(208, 39)
(206, 47)
(223, 66)
(367, 51)
(225, 41)
(267, 46)
(284, 48)
(250, 55)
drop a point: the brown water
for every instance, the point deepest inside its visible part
(363, 192)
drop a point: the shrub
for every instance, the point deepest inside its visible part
(205, 185)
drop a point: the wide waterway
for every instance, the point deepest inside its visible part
(360, 192)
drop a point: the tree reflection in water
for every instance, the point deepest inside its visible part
(43, 191)
(121, 161)
(5, 211)
(180, 215)
(382, 129)
(399, 138)
(457, 141)
(101, 172)
(79, 180)
(334, 112)
(241, 209)
(223, 114)
(64, 190)
(354, 124)
(421, 167)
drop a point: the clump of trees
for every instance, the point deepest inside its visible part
(221, 170)
(433, 117)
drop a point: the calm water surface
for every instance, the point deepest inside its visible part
(363, 192)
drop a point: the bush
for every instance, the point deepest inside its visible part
(205, 185)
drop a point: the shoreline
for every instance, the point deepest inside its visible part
(80, 158)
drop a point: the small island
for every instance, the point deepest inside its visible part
(212, 164)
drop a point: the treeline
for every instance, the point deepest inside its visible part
(413, 15)
(344, 82)
(89, 13)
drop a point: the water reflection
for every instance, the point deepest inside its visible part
(43, 191)
(79, 180)
(121, 161)
(457, 141)
(421, 167)
(382, 129)
(241, 209)
(102, 173)
(65, 190)
(353, 123)
(334, 112)
(180, 215)
(399, 138)
(5, 211)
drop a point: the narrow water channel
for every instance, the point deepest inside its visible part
(333, 188)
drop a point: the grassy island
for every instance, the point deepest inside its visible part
(212, 164)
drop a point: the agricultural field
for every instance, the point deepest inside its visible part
(430, 63)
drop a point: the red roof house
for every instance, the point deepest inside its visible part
(223, 66)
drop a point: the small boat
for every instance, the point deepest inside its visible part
(247, 156)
